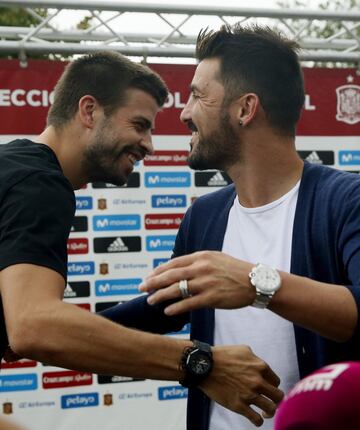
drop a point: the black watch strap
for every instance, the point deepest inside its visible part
(196, 362)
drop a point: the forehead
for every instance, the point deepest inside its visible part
(139, 103)
(206, 75)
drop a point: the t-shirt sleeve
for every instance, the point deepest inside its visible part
(36, 215)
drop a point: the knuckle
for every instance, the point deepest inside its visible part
(256, 383)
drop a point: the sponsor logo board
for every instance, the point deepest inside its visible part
(67, 378)
(318, 157)
(160, 243)
(111, 287)
(117, 244)
(168, 201)
(84, 203)
(18, 364)
(172, 392)
(211, 179)
(77, 289)
(82, 400)
(78, 246)
(80, 223)
(23, 382)
(106, 379)
(349, 158)
(128, 201)
(167, 179)
(167, 158)
(81, 268)
(116, 222)
(37, 404)
(163, 221)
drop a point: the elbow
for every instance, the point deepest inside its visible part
(26, 339)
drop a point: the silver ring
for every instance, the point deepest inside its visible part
(184, 290)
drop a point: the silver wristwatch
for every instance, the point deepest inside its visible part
(266, 281)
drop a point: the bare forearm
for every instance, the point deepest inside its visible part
(70, 337)
(327, 309)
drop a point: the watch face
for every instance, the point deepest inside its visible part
(198, 363)
(266, 279)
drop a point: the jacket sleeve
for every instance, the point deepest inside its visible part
(138, 314)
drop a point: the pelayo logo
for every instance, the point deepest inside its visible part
(172, 392)
(82, 400)
(81, 268)
(168, 201)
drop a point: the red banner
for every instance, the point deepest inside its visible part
(331, 107)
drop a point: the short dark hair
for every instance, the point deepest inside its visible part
(106, 76)
(260, 60)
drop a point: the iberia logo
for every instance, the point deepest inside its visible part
(348, 102)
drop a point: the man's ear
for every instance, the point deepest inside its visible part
(87, 110)
(246, 107)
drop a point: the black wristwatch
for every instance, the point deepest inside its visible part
(196, 362)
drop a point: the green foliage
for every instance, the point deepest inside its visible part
(85, 23)
(18, 17)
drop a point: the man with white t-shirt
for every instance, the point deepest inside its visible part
(277, 253)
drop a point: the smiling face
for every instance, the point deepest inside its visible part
(121, 139)
(214, 140)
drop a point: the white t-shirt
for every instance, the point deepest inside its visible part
(259, 235)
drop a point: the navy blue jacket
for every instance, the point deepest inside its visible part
(325, 247)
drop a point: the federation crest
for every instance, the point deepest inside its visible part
(102, 204)
(7, 408)
(348, 104)
(108, 399)
(103, 268)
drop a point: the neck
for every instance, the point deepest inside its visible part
(67, 146)
(266, 171)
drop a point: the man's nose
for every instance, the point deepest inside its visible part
(146, 143)
(185, 114)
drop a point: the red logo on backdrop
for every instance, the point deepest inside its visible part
(78, 246)
(67, 378)
(18, 364)
(162, 221)
(348, 104)
(167, 158)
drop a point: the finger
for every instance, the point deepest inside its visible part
(187, 305)
(266, 405)
(168, 293)
(165, 279)
(271, 376)
(184, 260)
(273, 393)
(251, 415)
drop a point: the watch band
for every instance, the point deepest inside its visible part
(191, 378)
(262, 300)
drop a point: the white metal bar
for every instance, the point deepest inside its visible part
(66, 48)
(179, 8)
